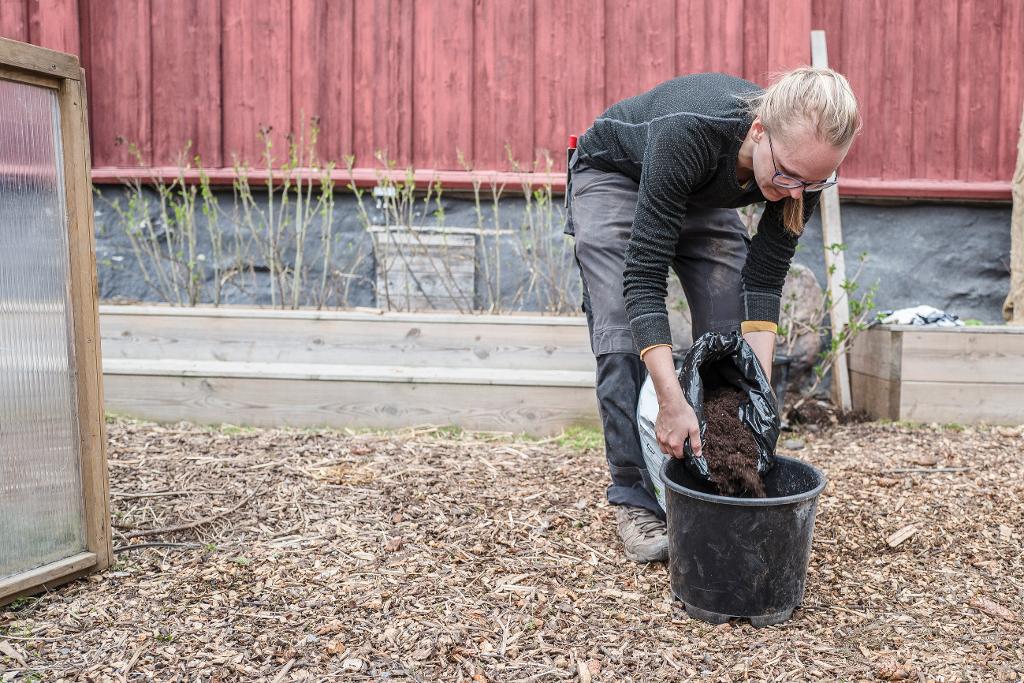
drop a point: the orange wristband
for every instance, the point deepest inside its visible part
(652, 346)
(759, 326)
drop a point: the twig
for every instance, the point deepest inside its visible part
(284, 672)
(157, 494)
(131, 662)
(140, 546)
(189, 525)
(32, 639)
(928, 470)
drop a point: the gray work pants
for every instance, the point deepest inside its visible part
(710, 254)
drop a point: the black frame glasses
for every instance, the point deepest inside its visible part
(796, 182)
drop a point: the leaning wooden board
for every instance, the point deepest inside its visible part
(964, 375)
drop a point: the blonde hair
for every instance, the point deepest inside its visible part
(807, 97)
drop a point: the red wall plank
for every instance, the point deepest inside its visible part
(692, 36)
(382, 81)
(117, 62)
(502, 83)
(977, 107)
(755, 41)
(899, 71)
(827, 16)
(569, 72)
(640, 45)
(442, 83)
(323, 34)
(54, 24)
(864, 61)
(710, 36)
(933, 116)
(789, 34)
(1010, 76)
(188, 80)
(256, 70)
(14, 20)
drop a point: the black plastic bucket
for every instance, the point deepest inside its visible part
(741, 557)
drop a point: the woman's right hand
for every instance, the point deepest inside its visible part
(677, 422)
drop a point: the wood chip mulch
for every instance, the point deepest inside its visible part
(286, 555)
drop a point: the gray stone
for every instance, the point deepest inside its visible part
(803, 305)
(678, 316)
(793, 444)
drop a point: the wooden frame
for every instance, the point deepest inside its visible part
(62, 72)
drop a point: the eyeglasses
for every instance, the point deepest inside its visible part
(790, 183)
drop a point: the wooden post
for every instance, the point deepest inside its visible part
(1013, 308)
(835, 263)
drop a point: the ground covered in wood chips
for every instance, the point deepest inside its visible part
(432, 556)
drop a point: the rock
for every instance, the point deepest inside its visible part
(352, 664)
(793, 444)
(678, 316)
(890, 670)
(803, 306)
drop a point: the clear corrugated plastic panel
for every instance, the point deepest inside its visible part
(41, 514)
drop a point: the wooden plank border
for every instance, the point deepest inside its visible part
(39, 61)
(514, 183)
(419, 340)
(85, 317)
(46, 576)
(363, 315)
(264, 400)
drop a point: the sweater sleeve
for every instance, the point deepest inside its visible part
(771, 251)
(670, 172)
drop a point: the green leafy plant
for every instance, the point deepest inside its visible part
(861, 303)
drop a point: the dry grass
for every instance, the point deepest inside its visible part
(439, 557)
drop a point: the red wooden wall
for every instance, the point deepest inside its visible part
(941, 82)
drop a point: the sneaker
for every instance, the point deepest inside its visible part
(642, 533)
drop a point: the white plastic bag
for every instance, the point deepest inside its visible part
(646, 416)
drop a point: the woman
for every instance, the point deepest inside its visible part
(655, 183)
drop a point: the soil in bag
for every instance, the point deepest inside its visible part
(729, 446)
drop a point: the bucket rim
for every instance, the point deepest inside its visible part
(749, 502)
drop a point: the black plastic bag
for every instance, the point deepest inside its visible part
(715, 360)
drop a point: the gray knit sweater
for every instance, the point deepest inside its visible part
(680, 142)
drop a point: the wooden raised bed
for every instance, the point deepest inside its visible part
(950, 375)
(512, 373)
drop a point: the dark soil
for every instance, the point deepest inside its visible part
(823, 414)
(729, 447)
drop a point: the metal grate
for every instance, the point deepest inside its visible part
(423, 269)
